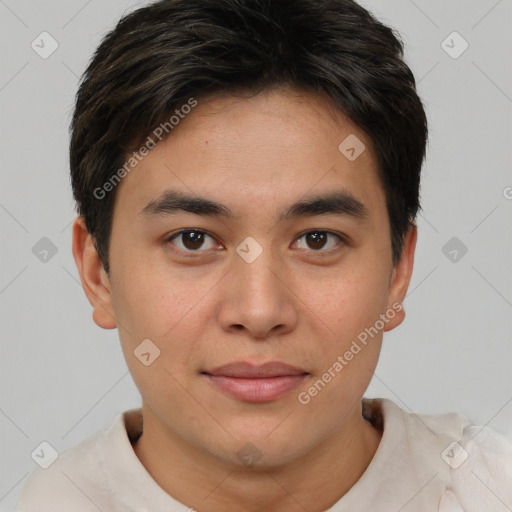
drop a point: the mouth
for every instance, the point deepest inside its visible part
(256, 383)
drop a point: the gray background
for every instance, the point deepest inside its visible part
(63, 378)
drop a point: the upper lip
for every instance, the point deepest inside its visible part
(243, 369)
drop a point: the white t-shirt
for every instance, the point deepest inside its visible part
(423, 464)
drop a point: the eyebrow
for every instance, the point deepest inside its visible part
(340, 202)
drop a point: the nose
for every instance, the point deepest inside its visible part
(257, 299)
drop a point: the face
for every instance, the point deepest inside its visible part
(247, 277)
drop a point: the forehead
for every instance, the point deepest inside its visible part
(258, 150)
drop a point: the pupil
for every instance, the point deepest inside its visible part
(193, 240)
(316, 237)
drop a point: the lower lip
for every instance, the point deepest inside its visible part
(257, 390)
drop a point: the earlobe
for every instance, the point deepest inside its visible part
(401, 278)
(95, 281)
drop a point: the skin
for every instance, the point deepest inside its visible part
(297, 303)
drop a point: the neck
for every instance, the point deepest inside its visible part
(313, 482)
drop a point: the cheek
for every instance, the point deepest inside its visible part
(171, 307)
(349, 306)
(348, 301)
(154, 300)
(349, 347)
(169, 311)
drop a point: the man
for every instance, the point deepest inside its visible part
(246, 174)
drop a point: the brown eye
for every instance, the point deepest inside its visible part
(317, 240)
(191, 240)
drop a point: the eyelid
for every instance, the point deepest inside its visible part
(186, 230)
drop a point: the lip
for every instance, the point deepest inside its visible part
(256, 383)
(246, 370)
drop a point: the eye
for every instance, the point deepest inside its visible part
(191, 240)
(197, 240)
(318, 239)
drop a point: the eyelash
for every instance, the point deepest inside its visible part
(191, 253)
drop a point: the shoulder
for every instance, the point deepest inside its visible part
(481, 474)
(71, 481)
(60, 486)
(473, 462)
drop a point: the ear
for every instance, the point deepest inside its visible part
(95, 281)
(401, 277)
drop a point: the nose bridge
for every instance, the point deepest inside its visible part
(254, 270)
(257, 299)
